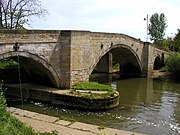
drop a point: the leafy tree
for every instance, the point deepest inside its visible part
(165, 44)
(157, 27)
(176, 42)
(14, 14)
(173, 64)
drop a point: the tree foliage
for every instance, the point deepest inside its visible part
(176, 42)
(14, 14)
(157, 27)
(173, 64)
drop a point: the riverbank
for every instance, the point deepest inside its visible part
(160, 74)
(45, 123)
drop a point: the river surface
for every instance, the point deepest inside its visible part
(150, 106)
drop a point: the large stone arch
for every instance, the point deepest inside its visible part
(27, 58)
(119, 46)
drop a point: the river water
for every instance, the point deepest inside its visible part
(150, 106)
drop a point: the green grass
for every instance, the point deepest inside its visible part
(92, 86)
(90, 95)
(84, 89)
(9, 125)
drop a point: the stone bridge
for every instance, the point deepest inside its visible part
(64, 58)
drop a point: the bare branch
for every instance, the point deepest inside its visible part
(16, 13)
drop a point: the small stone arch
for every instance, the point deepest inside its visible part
(134, 54)
(158, 62)
(35, 59)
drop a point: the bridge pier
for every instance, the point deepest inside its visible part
(105, 64)
(148, 59)
(145, 59)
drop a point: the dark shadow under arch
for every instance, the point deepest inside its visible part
(126, 57)
(35, 68)
(158, 63)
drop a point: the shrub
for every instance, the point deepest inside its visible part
(2, 101)
(173, 64)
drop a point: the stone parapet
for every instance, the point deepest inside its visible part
(28, 36)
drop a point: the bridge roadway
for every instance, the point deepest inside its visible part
(64, 58)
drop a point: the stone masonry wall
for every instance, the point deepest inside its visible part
(88, 47)
(152, 54)
(52, 47)
(71, 56)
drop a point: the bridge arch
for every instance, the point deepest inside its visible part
(158, 61)
(126, 56)
(34, 65)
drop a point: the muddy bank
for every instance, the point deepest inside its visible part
(160, 74)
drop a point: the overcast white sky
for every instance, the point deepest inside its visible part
(115, 16)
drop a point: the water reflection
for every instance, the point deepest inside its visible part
(150, 106)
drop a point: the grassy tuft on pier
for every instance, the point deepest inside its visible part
(93, 86)
(88, 90)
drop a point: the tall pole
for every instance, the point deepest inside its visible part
(1, 15)
(147, 27)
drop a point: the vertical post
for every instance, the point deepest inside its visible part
(1, 25)
(147, 27)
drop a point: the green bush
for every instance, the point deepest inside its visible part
(2, 103)
(173, 64)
